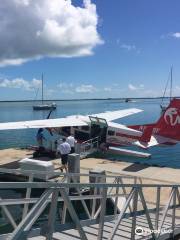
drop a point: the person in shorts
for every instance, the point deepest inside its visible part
(64, 149)
(72, 141)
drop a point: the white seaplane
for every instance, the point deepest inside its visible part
(164, 132)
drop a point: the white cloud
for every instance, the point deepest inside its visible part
(32, 29)
(171, 35)
(65, 85)
(176, 35)
(85, 88)
(20, 83)
(67, 88)
(72, 89)
(177, 88)
(132, 87)
(118, 41)
(128, 47)
(107, 89)
(50, 92)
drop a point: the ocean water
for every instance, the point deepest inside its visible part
(20, 111)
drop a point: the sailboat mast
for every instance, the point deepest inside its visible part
(42, 89)
(171, 84)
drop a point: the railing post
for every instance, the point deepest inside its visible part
(147, 213)
(52, 215)
(102, 213)
(28, 194)
(99, 176)
(166, 208)
(157, 207)
(73, 167)
(116, 199)
(73, 213)
(135, 205)
(64, 210)
(173, 212)
(124, 192)
(83, 202)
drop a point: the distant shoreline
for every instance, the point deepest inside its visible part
(85, 99)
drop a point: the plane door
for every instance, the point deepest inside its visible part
(98, 128)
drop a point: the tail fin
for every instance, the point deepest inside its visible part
(169, 123)
(167, 126)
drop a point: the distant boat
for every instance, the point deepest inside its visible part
(162, 105)
(44, 106)
(128, 100)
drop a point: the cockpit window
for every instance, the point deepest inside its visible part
(111, 133)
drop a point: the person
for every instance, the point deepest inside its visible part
(104, 147)
(64, 149)
(40, 138)
(72, 141)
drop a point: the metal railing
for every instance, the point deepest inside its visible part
(89, 146)
(163, 214)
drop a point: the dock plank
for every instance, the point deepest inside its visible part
(123, 232)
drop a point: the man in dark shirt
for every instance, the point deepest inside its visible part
(40, 137)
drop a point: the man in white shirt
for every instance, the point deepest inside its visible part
(64, 149)
(72, 141)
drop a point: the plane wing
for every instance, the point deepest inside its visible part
(112, 115)
(46, 123)
(69, 121)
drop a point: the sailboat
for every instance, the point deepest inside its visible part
(43, 106)
(162, 105)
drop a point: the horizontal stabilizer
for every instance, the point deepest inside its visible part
(153, 142)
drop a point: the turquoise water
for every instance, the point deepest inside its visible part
(18, 111)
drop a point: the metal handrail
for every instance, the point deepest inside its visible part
(35, 172)
(91, 143)
(90, 140)
(102, 191)
(46, 185)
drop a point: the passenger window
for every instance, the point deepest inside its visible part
(111, 133)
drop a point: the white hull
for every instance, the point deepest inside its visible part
(44, 107)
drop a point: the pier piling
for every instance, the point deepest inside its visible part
(98, 176)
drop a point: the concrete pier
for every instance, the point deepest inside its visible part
(74, 166)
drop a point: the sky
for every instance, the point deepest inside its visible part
(88, 49)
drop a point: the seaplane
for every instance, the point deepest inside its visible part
(164, 132)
